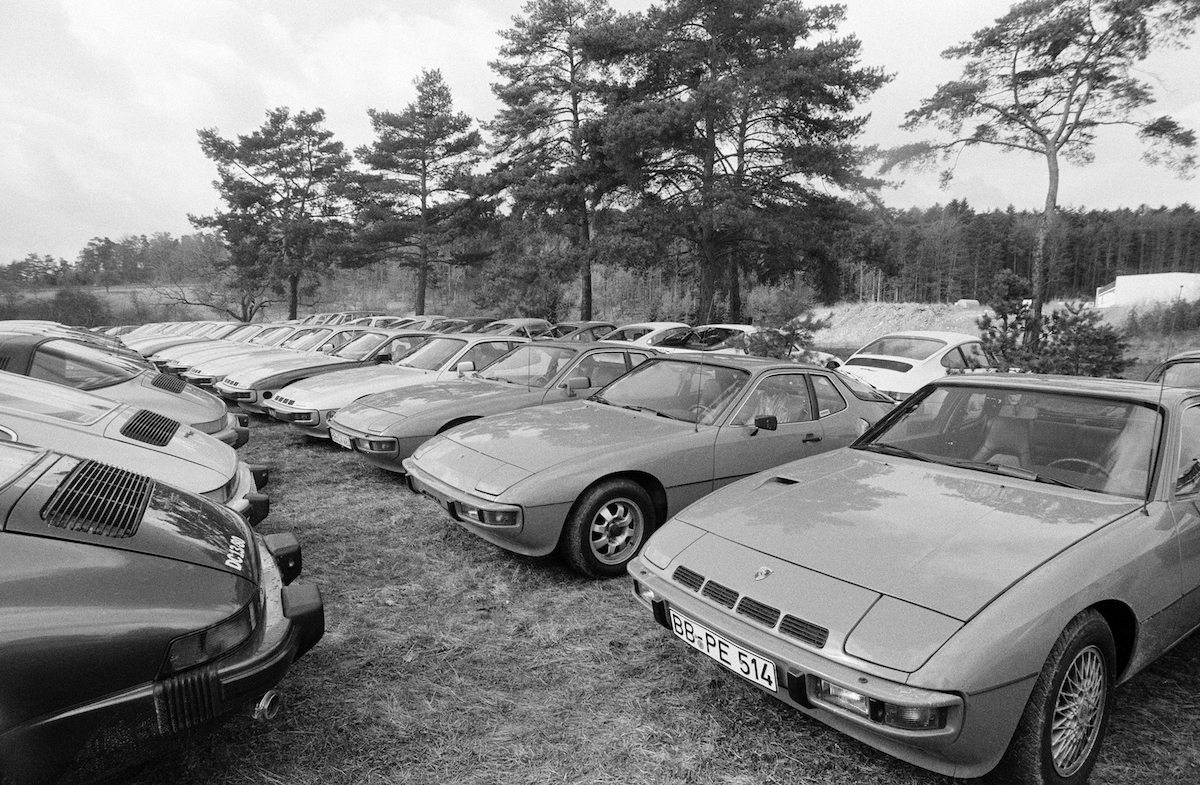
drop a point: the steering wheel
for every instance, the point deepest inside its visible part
(1092, 465)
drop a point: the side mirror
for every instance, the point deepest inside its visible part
(464, 368)
(577, 383)
(380, 359)
(766, 422)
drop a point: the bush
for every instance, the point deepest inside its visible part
(1073, 341)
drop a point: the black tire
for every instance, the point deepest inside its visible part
(607, 527)
(1076, 689)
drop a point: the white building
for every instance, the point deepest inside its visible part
(1144, 289)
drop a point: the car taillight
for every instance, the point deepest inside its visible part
(211, 643)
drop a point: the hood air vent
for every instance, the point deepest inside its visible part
(99, 499)
(151, 428)
(169, 383)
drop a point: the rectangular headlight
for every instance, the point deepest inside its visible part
(841, 697)
(893, 715)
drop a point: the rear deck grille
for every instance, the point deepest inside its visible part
(151, 428)
(720, 594)
(692, 580)
(187, 699)
(812, 634)
(99, 499)
(169, 383)
(761, 613)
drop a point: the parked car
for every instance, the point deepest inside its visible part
(251, 388)
(88, 426)
(250, 340)
(528, 328)
(577, 331)
(132, 611)
(463, 324)
(902, 363)
(386, 427)
(646, 333)
(593, 478)
(309, 404)
(87, 368)
(964, 587)
(1179, 370)
(204, 332)
(212, 366)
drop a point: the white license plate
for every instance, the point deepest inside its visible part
(750, 666)
(340, 439)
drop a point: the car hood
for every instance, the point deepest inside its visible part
(540, 437)
(175, 524)
(271, 366)
(340, 387)
(424, 395)
(943, 538)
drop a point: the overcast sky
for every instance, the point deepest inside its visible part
(100, 100)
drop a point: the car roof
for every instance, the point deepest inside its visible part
(941, 335)
(1128, 389)
(747, 362)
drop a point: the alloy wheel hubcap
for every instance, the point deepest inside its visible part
(616, 531)
(1078, 709)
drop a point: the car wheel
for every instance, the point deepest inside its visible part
(607, 527)
(1059, 736)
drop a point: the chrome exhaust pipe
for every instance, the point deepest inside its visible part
(268, 706)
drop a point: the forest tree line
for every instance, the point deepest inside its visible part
(712, 142)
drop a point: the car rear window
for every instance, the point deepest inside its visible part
(80, 366)
(907, 346)
(18, 394)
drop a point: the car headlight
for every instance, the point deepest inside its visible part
(377, 444)
(212, 426)
(488, 517)
(222, 494)
(881, 712)
(209, 644)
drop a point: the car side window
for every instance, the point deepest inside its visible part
(637, 358)
(954, 360)
(784, 396)
(484, 353)
(1187, 480)
(601, 368)
(829, 400)
(975, 355)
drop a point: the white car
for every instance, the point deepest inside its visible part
(899, 364)
(646, 333)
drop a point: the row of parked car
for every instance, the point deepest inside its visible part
(959, 579)
(138, 600)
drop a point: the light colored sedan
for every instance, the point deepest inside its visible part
(965, 586)
(309, 404)
(646, 333)
(593, 478)
(79, 423)
(902, 363)
(385, 428)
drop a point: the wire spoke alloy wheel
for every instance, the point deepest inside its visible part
(616, 528)
(1078, 711)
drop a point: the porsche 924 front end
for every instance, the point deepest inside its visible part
(132, 611)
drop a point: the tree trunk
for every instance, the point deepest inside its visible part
(293, 295)
(1041, 252)
(585, 262)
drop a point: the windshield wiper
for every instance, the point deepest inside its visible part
(893, 449)
(1017, 472)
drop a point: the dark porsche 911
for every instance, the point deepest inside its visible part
(132, 611)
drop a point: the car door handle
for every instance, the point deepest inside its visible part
(810, 437)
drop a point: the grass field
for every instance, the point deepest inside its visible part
(446, 660)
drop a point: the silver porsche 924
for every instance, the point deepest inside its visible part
(965, 585)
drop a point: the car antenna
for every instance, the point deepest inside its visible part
(1162, 383)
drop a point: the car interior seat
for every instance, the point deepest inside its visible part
(1007, 441)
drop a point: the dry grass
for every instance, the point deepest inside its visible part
(446, 660)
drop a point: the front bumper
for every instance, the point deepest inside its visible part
(969, 744)
(310, 422)
(386, 452)
(135, 720)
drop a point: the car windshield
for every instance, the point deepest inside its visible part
(1082, 441)
(907, 346)
(692, 392)
(361, 347)
(432, 354)
(1180, 374)
(243, 333)
(530, 365)
(559, 330)
(306, 339)
(272, 335)
(699, 339)
(495, 327)
(80, 366)
(19, 394)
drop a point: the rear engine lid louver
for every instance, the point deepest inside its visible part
(169, 383)
(150, 428)
(99, 499)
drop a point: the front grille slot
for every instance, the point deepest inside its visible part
(169, 383)
(285, 401)
(692, 580)
(761, 613)
(720, 594)
(812, 634)
(187, 699)
(99, 499)
(151, 428)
